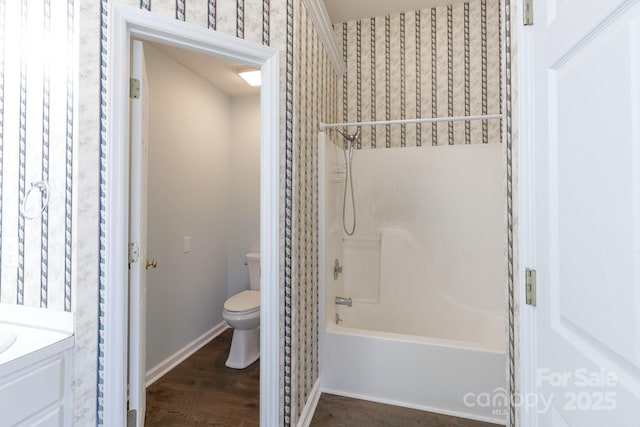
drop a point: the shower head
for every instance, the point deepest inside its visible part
(349, 138)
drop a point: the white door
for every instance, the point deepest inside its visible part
(587, 212)
(138, 236)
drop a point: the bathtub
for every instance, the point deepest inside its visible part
(409, 344)
(431, 374)
(426, 274)
(391, 347)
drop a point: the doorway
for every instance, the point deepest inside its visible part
(203, 212)
(127, 24)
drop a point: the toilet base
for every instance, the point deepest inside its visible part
(245, 348)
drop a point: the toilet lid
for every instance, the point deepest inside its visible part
(244, 301)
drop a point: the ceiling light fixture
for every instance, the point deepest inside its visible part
(253, 78)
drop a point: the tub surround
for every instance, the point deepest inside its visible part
(425, 271)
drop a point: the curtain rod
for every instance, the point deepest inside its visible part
(410, 121)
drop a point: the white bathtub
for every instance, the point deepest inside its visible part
(411, 345)
(425, 270)
(431, 374)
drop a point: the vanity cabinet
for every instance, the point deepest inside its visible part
(39, 393)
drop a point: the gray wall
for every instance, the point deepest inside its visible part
(190, 194)
(244, 203)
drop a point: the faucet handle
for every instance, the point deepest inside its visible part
(344, 301)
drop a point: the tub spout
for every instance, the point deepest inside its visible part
(344, 301)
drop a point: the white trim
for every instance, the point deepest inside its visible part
(304, 420)
(320, 17)
(322, 251)
(270, 340)
(116, 303)
(458, 414)
(158, 371)
(411, 121)
(525, 203)
(125, 23)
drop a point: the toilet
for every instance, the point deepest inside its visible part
(242, 313)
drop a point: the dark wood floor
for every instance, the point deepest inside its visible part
(201, 391)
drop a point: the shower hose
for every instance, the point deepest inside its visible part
(348, 146)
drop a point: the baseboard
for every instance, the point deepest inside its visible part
(310, 407)
(155, 373)
(499, 421)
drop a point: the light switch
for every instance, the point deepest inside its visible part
(187, 244)
(10, 253)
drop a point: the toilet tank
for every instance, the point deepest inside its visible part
(253, 262)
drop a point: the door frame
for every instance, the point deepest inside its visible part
(125, 24)
(526, 372)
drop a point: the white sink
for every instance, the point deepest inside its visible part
(6, 339)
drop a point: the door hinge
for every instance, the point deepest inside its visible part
(132, 418)
(527, 11)
(530, 286)
(134, 88)
(134, 252)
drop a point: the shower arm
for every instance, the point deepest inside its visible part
(350, 139)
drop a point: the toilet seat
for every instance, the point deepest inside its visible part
(244, 302)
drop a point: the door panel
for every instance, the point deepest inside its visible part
(138, 235)
(594, 188)
(587, 210)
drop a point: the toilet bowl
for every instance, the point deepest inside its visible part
(242, 313)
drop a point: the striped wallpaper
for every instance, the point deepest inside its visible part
(393, 71)
(285, 25)
(438, 62)
(314, 98)
(37, 90)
